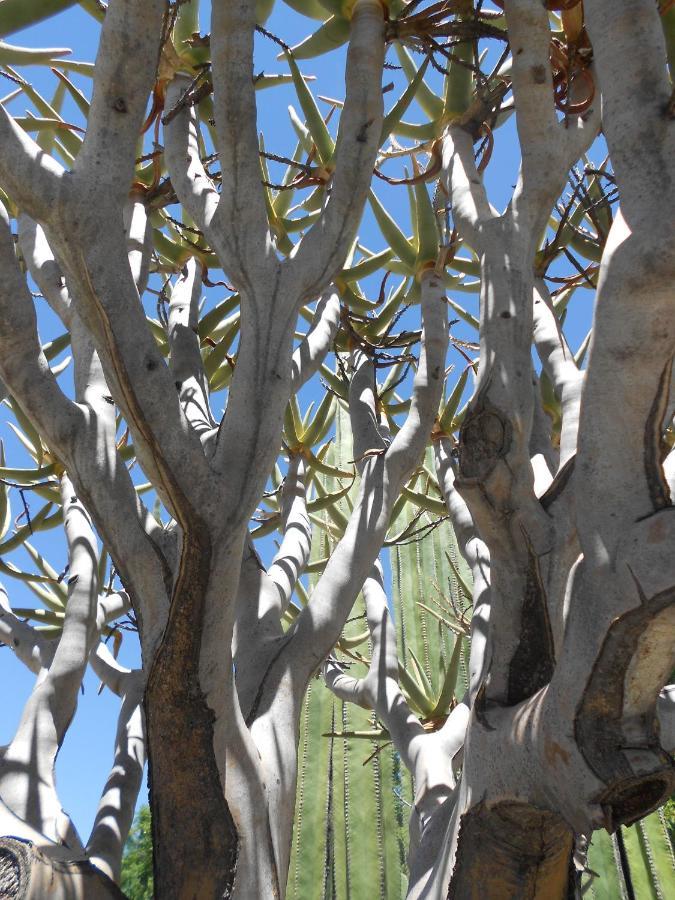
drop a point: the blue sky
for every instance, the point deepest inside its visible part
(87, 752)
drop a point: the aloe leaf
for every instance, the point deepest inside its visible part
(414, 694)
(301, 130)
(186, 24)
(451, 625)
(366, 267)
(328, 502)
(392, 234)
(422, 678)
(27, 427)
(321, 422)
(449, 688)
(48, 597)
(18, 14)
(215, 316)
(466, 266)
(427, 99)
(311, 8)
(291, 226)
(77, 66)
(66, 137)
(425, 131)
(315, 123)
(5, 505)
(13, 572)
(426, 227)
(461, 581)
(292, 423)
(45, 568)
(463, 314)
(11, 55)
(350, 643)
(37, 522)
(78, 97)
(398, 110)
(332, 34)
(459, 81)
(21, 437)
(44, 616)
(447, 417)
(423, 501)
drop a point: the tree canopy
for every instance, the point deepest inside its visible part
(336, 346)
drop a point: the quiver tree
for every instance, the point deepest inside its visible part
(564, 520)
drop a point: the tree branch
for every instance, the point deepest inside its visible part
(477, 557)
(131, 31)
(379, 689)
(23, 366)
(77, 433)
(319, 625)
(31, 178)
(548, 147)
(543, 457)
(43, 268)
(245, 242)
(118, 800)
(195, 190)
(312, 351)
(31, 647)
(558, 362)
(186, 360)
(293, 554)
(366, 435)
(629, 53)
(29, 759)
(139, 240)
(471, 209)
(322, 252)
(428, 756)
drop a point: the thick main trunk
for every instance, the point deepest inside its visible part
(194, 835)
(512, 850)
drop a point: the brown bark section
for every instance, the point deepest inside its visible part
(194, 836)
(606, 736)
(510, 851)
(533, 662)
(487, 441)
(27, 873)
